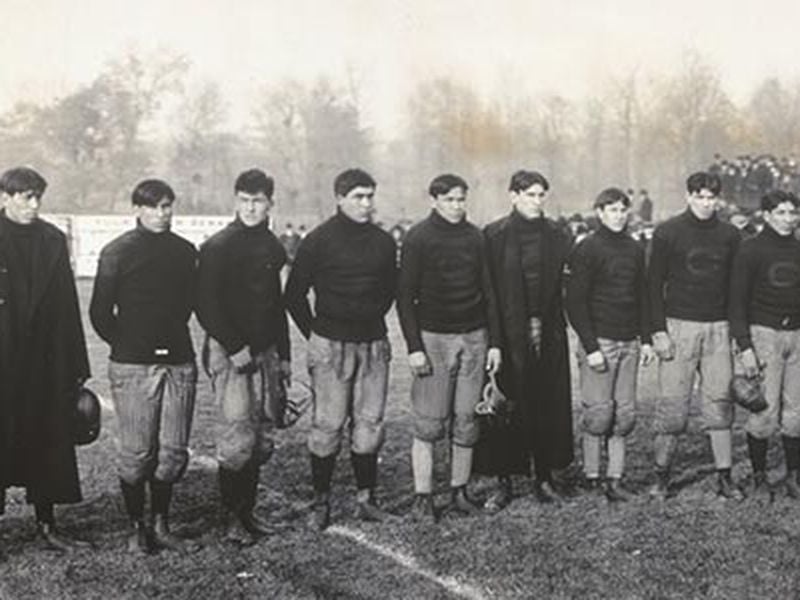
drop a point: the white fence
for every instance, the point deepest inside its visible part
(87, 234)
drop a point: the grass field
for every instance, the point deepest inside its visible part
(693, 546)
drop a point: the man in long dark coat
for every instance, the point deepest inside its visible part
(527, 253)
(42, 355)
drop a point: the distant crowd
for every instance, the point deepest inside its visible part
(747, 178)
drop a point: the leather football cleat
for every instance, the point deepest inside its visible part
(615, 492)
(423, 509)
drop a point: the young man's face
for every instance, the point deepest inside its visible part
(703, 203)
(23, 207)
(530, 203)
(739, 221)
(156, 218)
(358, 204)
(452, 206)
(614, 216)
(252, 209)
(782, 218)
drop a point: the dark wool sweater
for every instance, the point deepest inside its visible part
(445, 285)
(143, 297)
(765, 285)
(239, 300)
(607, 290)
(689, 273)
(529, 234)
(352, 269)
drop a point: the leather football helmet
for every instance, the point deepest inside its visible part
(86, 417)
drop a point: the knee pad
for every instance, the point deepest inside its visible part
(172, 463)
(465, 430)
(719, 414)
(598, 419)
(324, 443)
(135, 467)
(429, 430)
(671, 417)
(367, 437)
(235, 446)
(624, 424)
(762, 426)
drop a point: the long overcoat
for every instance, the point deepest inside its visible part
(42, 359)
(539, 385)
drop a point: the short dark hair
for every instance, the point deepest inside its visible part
(522, 180)
(611, 196)
(442, 184)
(254, 181)
(348, 180)
(771, 200)
(704, 181)
(22, 179)
(150, 192)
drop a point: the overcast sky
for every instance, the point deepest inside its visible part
(48, 47)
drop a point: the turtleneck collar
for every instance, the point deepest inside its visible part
(260, 228)
(13, 226)
(519, 220)
(613, 235)
(440, 221)
(149, 232)
(346, 221)
(693, 220)
(770, 233)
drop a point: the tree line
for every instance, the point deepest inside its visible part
(140, 117)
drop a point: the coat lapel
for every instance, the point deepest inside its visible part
(45, 257)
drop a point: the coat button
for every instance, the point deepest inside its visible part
(785, 321)
(2, 301)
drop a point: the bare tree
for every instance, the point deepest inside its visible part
(200, 156)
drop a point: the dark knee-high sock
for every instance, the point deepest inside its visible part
(322, 472)
(757, 449)
(133, 497)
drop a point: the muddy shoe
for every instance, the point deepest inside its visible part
(138, 539)
(615, 492)
(320, 516)
(727, 489)
(423, 509)
(258, 525)
(546, 493)
(368, 510)
(162, 538)
(236, 534)
(791, 485)
(462, 503)
(592, 485)
(760, 490)
(54, 540)
(660, 490)
(497, 501)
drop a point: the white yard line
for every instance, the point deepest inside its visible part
(205, 462)
(451, 584)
